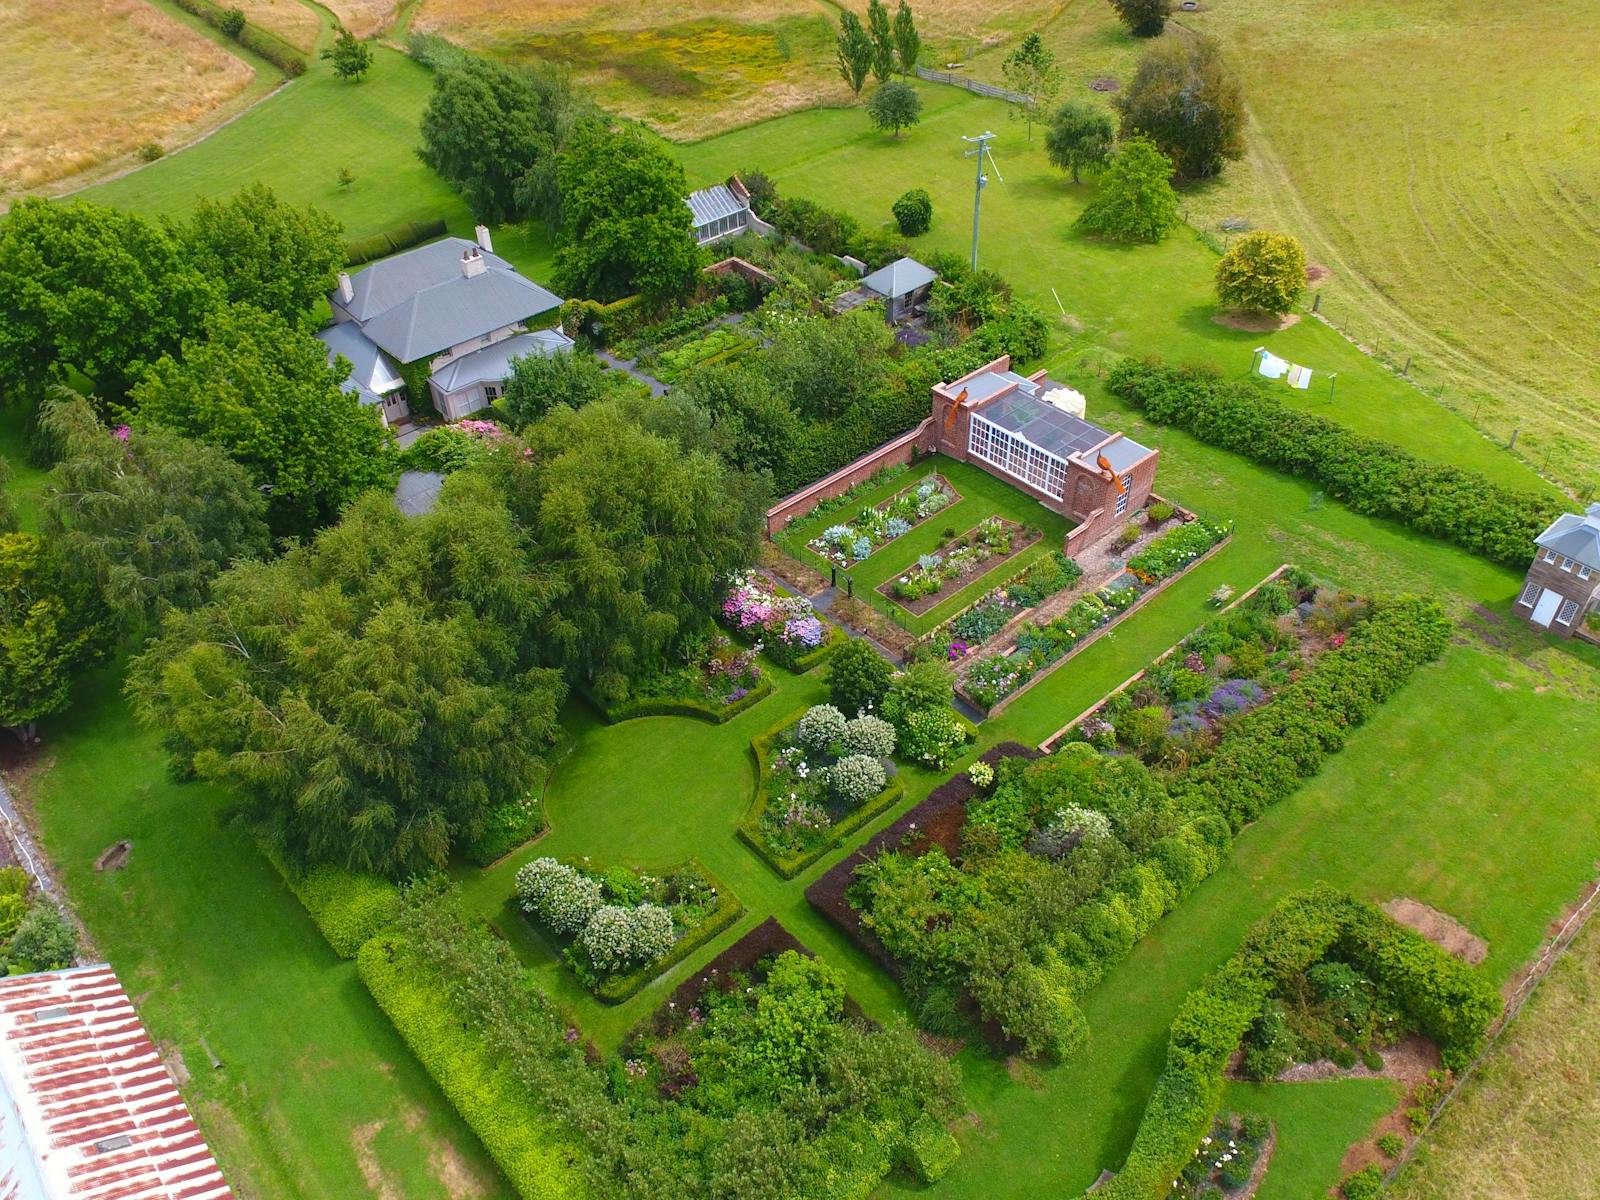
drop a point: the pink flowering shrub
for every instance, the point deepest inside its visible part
(786, 627)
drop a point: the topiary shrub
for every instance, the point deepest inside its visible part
(929, 1151)
(858, 676)
(913, 212)
(821, 727)
(856, 778)
(872, 736)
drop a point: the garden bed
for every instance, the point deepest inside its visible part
(875, 526)
(717, 684)
(783, 626)
(798, 814)
(965, 633)
(956, 562)
(723, 343)
(618, 929)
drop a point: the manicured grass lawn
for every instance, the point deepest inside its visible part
(1316, 1122)
(982, 496)
(26, 486)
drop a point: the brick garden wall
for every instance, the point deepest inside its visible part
(902, 451)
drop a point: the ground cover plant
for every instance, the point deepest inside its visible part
(875, 525)
(955, 559)
(966, 632)
(619, 928)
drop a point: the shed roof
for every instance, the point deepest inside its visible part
(420, 302)
(493, 362)
(900, 278)
(1575, 535)
(88, 1110)
(713, 203)
(373, 373)
(418, 491)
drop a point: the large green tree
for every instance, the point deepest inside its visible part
(1186, 100)
(152, 516)
(824, 366)
(640, 527)
(539, 382)
(1080, 138)
(755, 427)
(894, 106)
(907, 41)
(351, 58)
(624, 225)
(53, 624)
(1144, 18)
(882, 40)
(1031, 69)
(267, 395)
(8, 507)
(1263, 272)
(375, 693)
(1135, 201)
(90, 289)
(854, 51)
(279, 257)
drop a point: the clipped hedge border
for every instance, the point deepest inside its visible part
(1450, 1002)
(750, 827)
(347, 907)
(682, 706)
(481, 1087)
(1371, 476)
(269, 46)
(392, 240)
(728, 910)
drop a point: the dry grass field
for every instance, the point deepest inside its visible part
(294, 21)
(86, 81)
(364, 18)
(1524, 1129)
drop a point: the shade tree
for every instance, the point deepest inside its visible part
(1135, 201)
(259, 250)
(1080, 138)
(894, 106)
(907, 41)
(351, 59)
(1144, 18)
(1185, 99)
(1263, 272)
(883, 50)
(854, 51)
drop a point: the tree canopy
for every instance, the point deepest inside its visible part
(1135, 201)
(907, 41)
(53, 624)
(267, 395)
(1263, 272)
(151, 516)
(281, 258)
(351, 58)
(1144, 18)
(882, 40)
(539, 382)
(624, 225)
(1080, 138)
(894, 106)
(1185, 99)
(1031, 69)
(375, 693)
(854, 51)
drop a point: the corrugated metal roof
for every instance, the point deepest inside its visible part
(713, 203)
(1577, 537)
(420, 302)
(900, 278)
(493, 362)
(88, 1110)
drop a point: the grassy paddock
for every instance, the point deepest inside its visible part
(295, 21)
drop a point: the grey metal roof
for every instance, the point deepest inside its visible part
(1577, 537)
(713, 203)
(1122, 453)
(991, 383)
(372, 372)
(1045, 425)
(493, 363)
(900, 278)
(418, 491)
(420, 302)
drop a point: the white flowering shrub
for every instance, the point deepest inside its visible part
(821, 727)
(556, 894)
(981, 774)
(872, 736)
(856, 778)
(652, 932)
(1092, 824)
(616, 937)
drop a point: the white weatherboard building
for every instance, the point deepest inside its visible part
(88, 1110)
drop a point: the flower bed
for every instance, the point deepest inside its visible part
(819, 778)
(875, 526)
(784, 626)
(956, 561)
(619, 928)
(1224, 1162)
(965, 632)
(719, 682)
(722, 344)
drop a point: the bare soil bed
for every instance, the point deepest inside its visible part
(1439, 928)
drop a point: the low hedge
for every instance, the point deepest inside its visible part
(680, 706)
(929, 1150)
(507, 827)
(269, 46)
(391, 241)
(750, 828)
(729, 909)
(1369, 475)
(1448, 1000)
(348, 907)
(481, 1086)
(1268, 752)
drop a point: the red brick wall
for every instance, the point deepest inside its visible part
(899, 452)
(1104, 519)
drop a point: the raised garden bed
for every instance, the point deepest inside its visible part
(799, 814)
(722, 344)
(872, 528)
(967, 631)
(956, 562)
(619, 928)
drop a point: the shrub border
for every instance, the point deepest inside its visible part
(683, 706)
(728, 910)
(268, 45)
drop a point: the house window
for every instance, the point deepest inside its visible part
(1566, 563)
(1017, 457)
(1530, 593)
(491, 391)
(1583, 571)
(1569, 609)
(1125, 494)
(1551, 556)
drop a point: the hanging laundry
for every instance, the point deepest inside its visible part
(1299, 377)
(1271, 365)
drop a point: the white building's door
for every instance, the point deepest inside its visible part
(1549, 601)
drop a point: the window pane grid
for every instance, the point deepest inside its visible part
(1018, 458)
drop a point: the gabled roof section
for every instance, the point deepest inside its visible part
(713, 203)
(1577, 537)
(87, 1108)
(493, 362)
(900, 278)
(373, 374)
(420, 302)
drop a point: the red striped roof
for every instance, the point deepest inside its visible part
(88, 1111)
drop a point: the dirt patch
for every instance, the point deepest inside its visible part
(460, 1180)
(944, 1047)
(1439, 928)
(172, 1059)
(114, 857)
(1408, 1061)
(378, 1181)
(1317, 274)
(1257, 322)
(1025, 1073)
(1104, 84)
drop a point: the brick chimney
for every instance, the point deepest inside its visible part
(481, 232)
(347, 291)
(472, 262)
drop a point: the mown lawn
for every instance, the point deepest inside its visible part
(27, 482)
(1316, 1122)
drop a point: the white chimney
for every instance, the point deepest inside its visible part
(481, 232)
(472, 263)
(347, 291)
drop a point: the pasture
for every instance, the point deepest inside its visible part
(87, 83)
(292, 20)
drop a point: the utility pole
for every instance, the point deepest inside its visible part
(982, 143)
